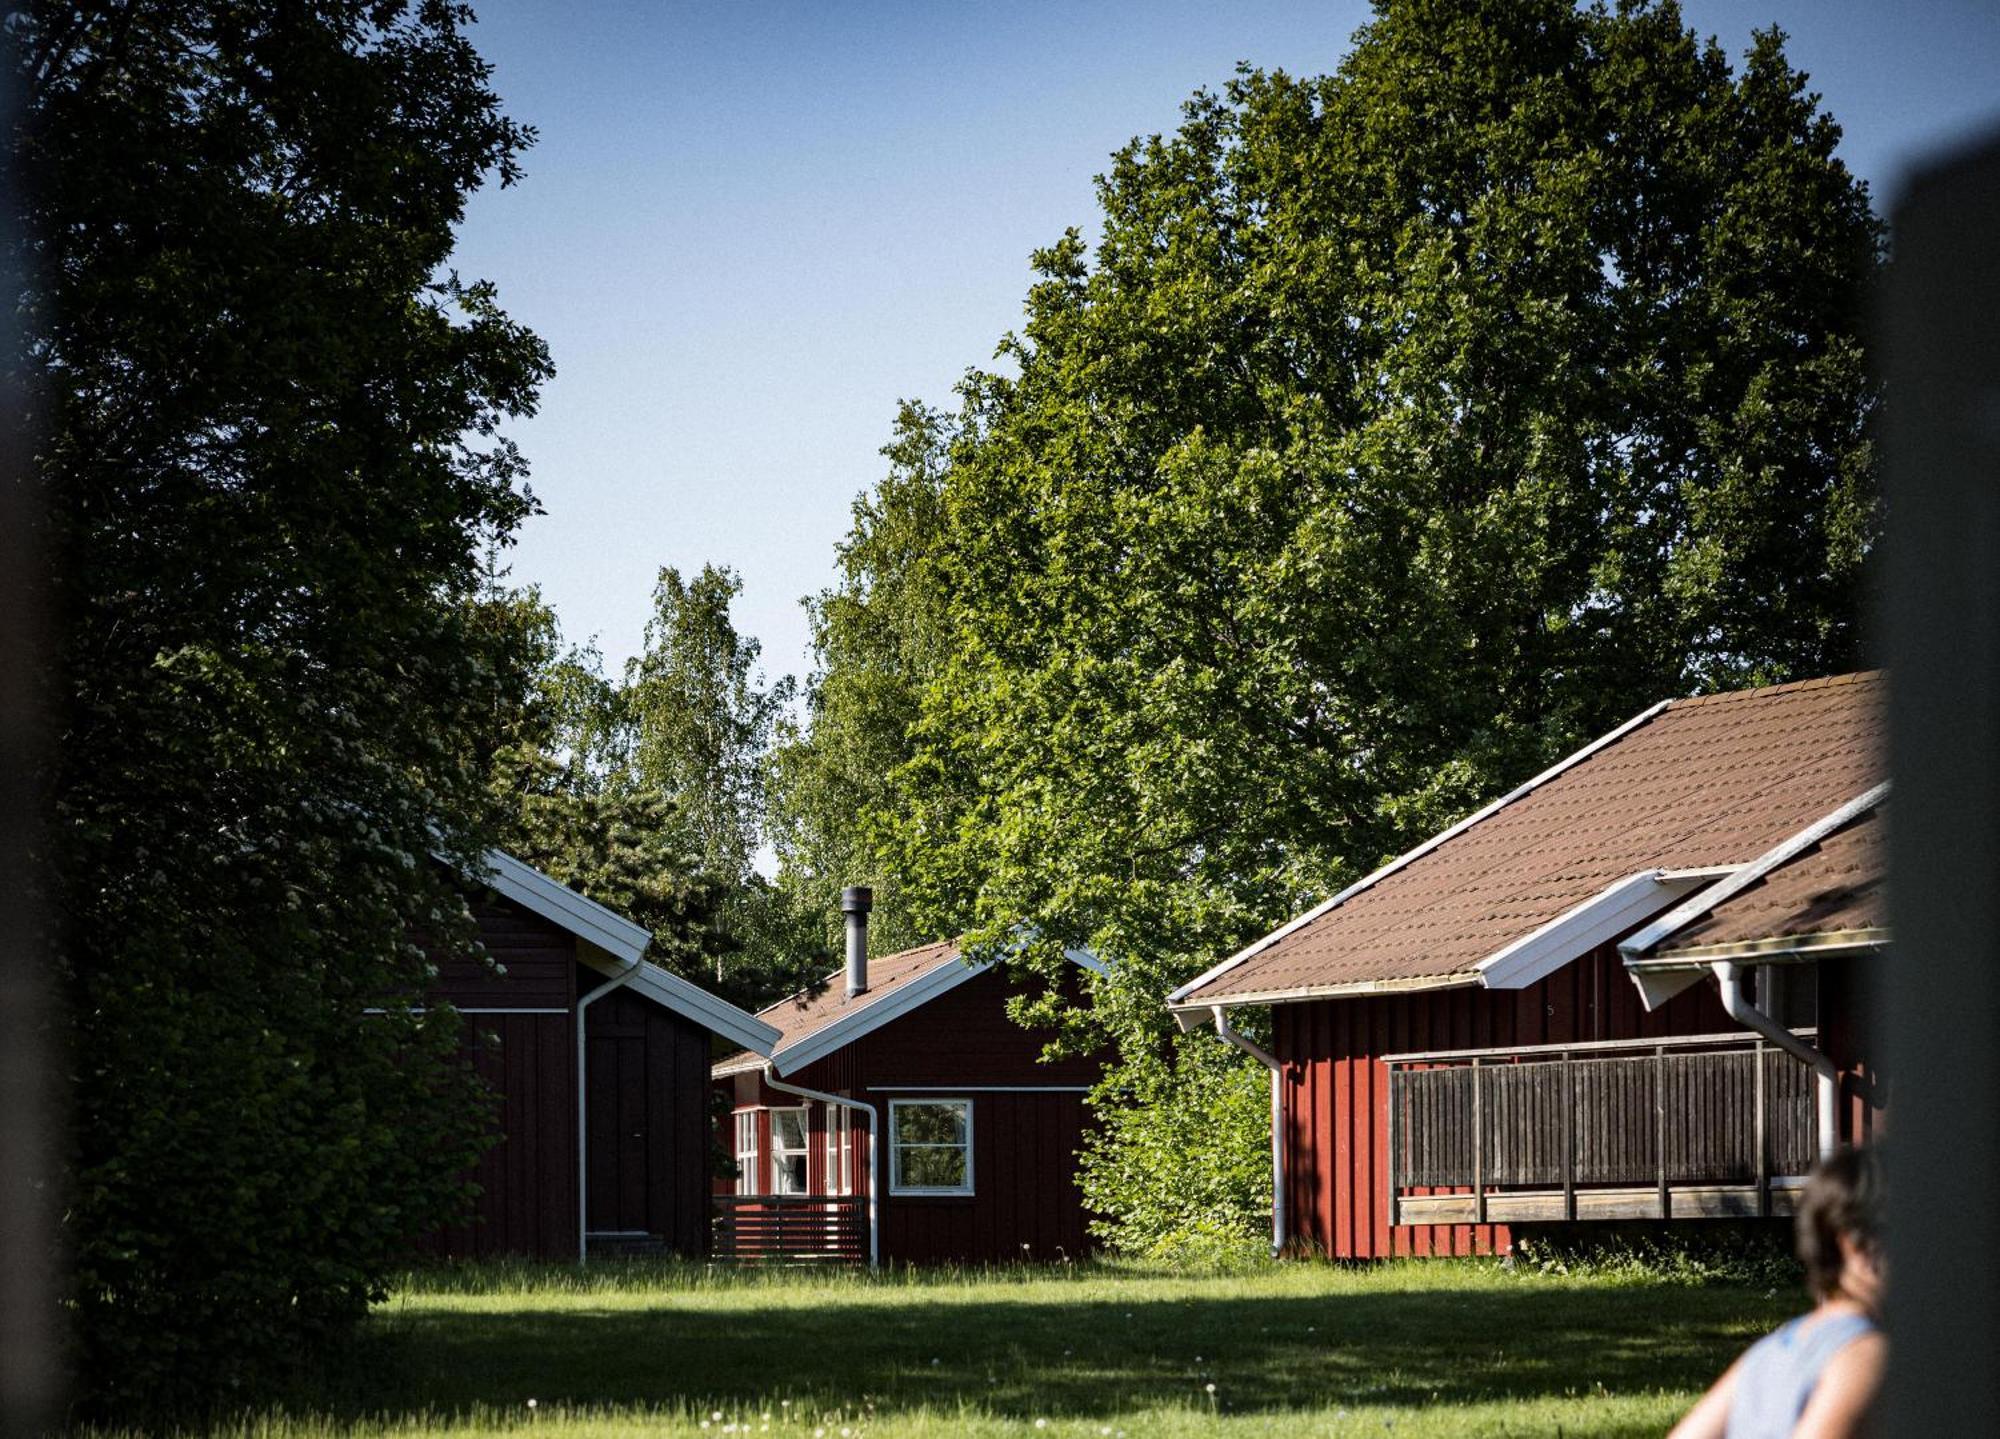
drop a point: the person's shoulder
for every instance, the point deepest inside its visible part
(1845, 1395)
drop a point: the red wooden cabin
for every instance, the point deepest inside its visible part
(1632, 988)
(901, 1116)
(604, 1142)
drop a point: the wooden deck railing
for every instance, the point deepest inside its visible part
(791, 1228)
(1709, 1125)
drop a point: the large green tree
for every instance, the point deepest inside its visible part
(648, 793)
(571, 804)
(880, 636)
(268, 435)
(1405, 427)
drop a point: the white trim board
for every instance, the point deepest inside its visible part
(1682, 915)
(1400, 862)
(690, 1001)
(611, 944)
(559, 904)
(1581, 928)
(951, 1089)
(892, 1004)
(463, 1009)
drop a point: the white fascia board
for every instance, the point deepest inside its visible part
(559, 904)
(1199, 1014)
(1682, 915)
(687, 999)
(1085, 959)
(1658, 986)
(719, 1016)
(870, 1017)
(1401, 861)
(1576, 931)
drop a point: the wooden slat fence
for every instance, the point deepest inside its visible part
(1705, 1111)
(791, 1228)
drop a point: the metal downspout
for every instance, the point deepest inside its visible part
(874, 1183)
(1270, 1061)
(1827, 1087)
(582, 1117)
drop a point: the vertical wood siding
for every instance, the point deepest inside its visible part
(1025, 1202)
(1337, 1089)
(647, 1111)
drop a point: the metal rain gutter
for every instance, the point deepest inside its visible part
(771, 1078)
(1270, 1061)
(1827, 1086)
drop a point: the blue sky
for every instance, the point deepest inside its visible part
(749, 227)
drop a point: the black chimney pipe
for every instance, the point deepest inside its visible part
(855, 902)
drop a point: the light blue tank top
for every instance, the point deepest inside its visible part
(1780, 1370)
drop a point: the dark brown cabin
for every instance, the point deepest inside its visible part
(1631, 989)
(911, 1121)
(644, 1167)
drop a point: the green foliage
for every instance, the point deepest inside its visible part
(1178, 1170)
(1438, 1349)
(699, 718)
(1406, 427)
(647, 795)
(1752, 1254)
(268, 438)
(880, 636)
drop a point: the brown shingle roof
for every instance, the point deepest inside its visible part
(1835, 887)
(809, 1011)
(1716, 780)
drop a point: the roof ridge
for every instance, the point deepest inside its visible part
(1561, 767)
(1788, 687)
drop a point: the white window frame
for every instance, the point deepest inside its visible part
(779, 1153)
(896, 1185)
(839, 1173)
(746, 1151)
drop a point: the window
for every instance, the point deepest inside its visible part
(930, 1146)
(746, 1151)
(839, 1149)
(788, 1151)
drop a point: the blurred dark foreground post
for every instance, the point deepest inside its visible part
(1940, 345)
(28, 1399)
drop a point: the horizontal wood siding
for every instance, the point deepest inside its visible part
(648, 1111)
(1337, 1090)
(537, 955)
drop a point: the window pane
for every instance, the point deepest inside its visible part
(930, 1124)
(788, 1129)
(934, 1168)
(788, 1174)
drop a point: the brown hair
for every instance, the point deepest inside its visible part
(1843, 1196)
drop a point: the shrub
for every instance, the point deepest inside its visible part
(1178, 1170)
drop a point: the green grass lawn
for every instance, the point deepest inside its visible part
(1433, 1348)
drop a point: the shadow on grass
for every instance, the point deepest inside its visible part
(1085, 1359)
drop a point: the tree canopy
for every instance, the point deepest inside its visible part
(1405, 427)
(268, 434)
(648, 793)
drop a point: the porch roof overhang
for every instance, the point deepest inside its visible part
(1520, 963)
(1672, 953)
